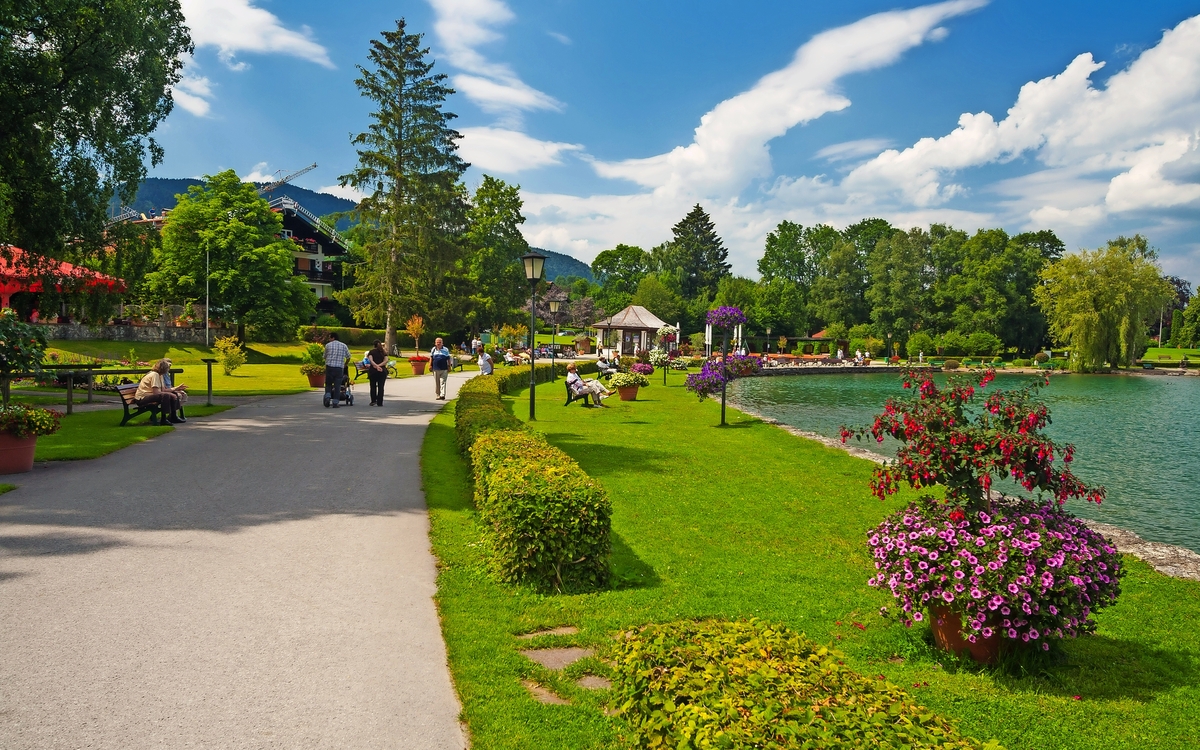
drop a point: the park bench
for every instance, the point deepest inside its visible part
(573, 396)
(360, 369)
(461, 360)
(128, 395)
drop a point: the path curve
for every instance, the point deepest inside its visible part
(260, 579)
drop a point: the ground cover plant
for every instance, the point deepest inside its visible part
(748, 521)
(93, 434)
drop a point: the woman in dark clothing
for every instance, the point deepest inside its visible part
(377, 372)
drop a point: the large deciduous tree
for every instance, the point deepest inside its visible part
(225, 230)
(1100, 302)
(494, 266)
(409, 169)
(83, 84)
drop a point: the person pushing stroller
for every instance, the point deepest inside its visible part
(337, 358)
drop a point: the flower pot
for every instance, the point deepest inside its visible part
(417, 367)
(316, 381)
(16, 454)
(628, 393)
(948, 635)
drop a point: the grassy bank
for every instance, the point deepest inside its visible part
(750, 521)
(95, 433)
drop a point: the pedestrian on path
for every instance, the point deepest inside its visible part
(377, 372)
(337, 355)
(485, 363)
(439, 362)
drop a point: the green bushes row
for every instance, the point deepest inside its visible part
(753, 685)
(348, 336)
(511, 379)
(549, 521)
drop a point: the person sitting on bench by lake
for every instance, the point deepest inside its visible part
(578, 385)
(153, 390)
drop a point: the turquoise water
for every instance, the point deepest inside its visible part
(1139, 437)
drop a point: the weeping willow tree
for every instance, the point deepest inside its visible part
(1100, 303)
(415, 210)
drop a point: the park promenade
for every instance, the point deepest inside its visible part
(261, 578)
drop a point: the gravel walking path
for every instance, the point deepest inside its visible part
(261, 578)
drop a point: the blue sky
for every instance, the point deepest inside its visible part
(616, 117)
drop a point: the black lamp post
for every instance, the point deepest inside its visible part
(889, 354)
(767, 348)
(553, 335)
(534, 264)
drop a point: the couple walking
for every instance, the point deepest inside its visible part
(337, 355)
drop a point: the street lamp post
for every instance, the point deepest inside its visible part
(206, 304)
(890, 353)
(553, 335)
(534, 263)
(767, 348)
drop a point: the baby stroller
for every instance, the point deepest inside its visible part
(335, 393)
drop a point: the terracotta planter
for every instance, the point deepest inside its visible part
(316, 381)
(948, 635)
(418, 367)
(628, 393)
(16, 454)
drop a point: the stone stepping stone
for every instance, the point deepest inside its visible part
(557, 658)
(564, 630)
(594, 682)
(543, 695)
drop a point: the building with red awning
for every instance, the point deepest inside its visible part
(17, 276)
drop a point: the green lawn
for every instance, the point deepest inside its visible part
(180, 354)
(95, 433)
(1157, 354)
(750, 521)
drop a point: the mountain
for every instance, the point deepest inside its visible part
(558, 264)
(157, 193)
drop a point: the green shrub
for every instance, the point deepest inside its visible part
(981, 344)
(348, 336)
(1041, 358)
(1022, 362)
(230, 353)
(479, 410)
(953, 344)
(1059, 363)
(548, 521)
(736, 685)
(951, 364)
(920, 342)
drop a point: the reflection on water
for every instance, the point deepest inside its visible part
(1137, 436)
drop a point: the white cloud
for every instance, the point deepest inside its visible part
(259, 174)
(563, 38)
(509, 151)
(853, 149)
(343, 191)
(1115, 147)
(730, 147)
(462, 26)
(235, 26)
(193, 93)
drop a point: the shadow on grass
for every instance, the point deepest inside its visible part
(628, 570)
(1095, 667)
(599, 459)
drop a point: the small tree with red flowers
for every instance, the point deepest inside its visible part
(1018, 568)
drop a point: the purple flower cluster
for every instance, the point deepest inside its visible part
(712, 375)
(726, 316)
(1025, 571)
(641, 368)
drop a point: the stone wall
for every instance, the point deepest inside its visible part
(171, 334)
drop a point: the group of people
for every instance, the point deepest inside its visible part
(337, 358)
(156, 390)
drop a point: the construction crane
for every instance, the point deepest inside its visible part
(117, 216)
(286, 179)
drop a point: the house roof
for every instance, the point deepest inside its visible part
(16, 275)
(632, 317)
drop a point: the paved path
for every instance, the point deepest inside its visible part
(258, 579)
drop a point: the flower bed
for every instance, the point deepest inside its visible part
(24, 421)
(735, 685)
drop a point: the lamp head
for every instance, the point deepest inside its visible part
(533, 265)
(553, 305)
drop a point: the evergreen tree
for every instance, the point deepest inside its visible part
(416, 206)
(700, 252)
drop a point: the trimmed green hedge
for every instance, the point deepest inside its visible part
(734, 685)
(548, 521)
(512, 379)
(348, 336)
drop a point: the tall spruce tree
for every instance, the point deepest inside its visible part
(701, 252)
(416, 205)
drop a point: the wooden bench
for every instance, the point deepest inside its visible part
(459, 361)
(128, 395)
(360, 369)
(573, 396)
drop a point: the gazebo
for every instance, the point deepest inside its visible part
(629, 330)
(16, 276)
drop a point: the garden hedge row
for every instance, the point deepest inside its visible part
(720, 684)
(548, 523)
(348, 336)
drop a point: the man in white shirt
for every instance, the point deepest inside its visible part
(337, 355)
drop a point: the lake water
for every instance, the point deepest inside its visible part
(1137, 436)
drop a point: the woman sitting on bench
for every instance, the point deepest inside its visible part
(152, 390)
(579, 386)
